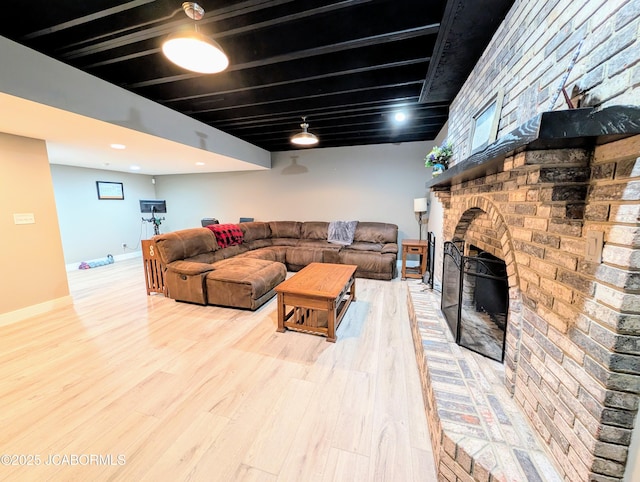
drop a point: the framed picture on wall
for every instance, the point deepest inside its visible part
(484, 129)
(109, 190)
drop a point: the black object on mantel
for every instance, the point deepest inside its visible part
(562, 129)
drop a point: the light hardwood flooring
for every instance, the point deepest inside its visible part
(170, 391)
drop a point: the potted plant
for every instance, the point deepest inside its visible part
(438, 158)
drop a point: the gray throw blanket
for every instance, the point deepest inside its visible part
(341, 232)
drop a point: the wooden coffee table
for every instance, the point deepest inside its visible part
(319, 295)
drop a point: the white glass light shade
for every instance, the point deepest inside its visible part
(196, 52)
(420, 205)
(304, 138)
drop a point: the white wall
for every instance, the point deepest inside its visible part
(92, 228)
(366, 183)
(32, 266)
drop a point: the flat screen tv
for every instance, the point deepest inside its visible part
(153, 206)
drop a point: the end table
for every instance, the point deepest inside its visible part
(414, 246)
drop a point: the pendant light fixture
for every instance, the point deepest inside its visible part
(192, 50)
(304, 138)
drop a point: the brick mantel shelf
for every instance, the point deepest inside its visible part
(565, 129)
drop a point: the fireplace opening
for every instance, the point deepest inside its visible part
(475, 299)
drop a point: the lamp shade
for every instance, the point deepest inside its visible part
(304, 138)
(420, 205)
(196, 52)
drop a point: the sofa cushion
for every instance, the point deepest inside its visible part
(376, 232)
(227, 234)
(314, 230)
(297, 258)
(255, 230)
(270, 253)
(258, 243)
(285, 229)
(361, 246)
(391, 248)
(189, 268)
(241, 282)
(184, 244)
(316, 243)
(285, 241)
(208, 257)
(370, 265)
(235, 250)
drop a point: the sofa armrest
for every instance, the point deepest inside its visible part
(189, 268)
(185, 281)
(390, 248)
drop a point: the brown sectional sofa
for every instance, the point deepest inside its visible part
(245, 275)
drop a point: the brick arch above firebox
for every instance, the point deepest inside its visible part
(480, 222)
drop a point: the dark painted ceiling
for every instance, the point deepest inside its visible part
(349, 66)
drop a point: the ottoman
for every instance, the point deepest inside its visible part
(242, 282)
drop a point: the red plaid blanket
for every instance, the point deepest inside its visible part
(226, 234)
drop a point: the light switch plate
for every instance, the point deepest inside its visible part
(24, 218)
(595, 241)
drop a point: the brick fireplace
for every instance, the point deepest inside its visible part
(543, 187)
(558, 201)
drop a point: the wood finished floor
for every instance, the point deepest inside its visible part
(186, 392)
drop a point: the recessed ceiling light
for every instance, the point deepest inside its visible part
(134, 167)
(199, 163)
(400, 117)
(118, 146)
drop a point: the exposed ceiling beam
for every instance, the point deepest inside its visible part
(307, 97)
(347, 108)
(88, 18)
(327, 75)
(303, 54)
(210, 17)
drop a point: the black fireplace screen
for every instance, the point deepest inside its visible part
(452, 287)
(431, 251)
(475, 299)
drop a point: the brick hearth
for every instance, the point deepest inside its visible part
(477, 430)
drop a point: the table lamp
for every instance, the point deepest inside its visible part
(420, 207)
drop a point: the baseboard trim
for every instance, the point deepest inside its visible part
(33, 310)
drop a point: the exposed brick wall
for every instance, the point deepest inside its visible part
(531, 52)
(573, 337)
